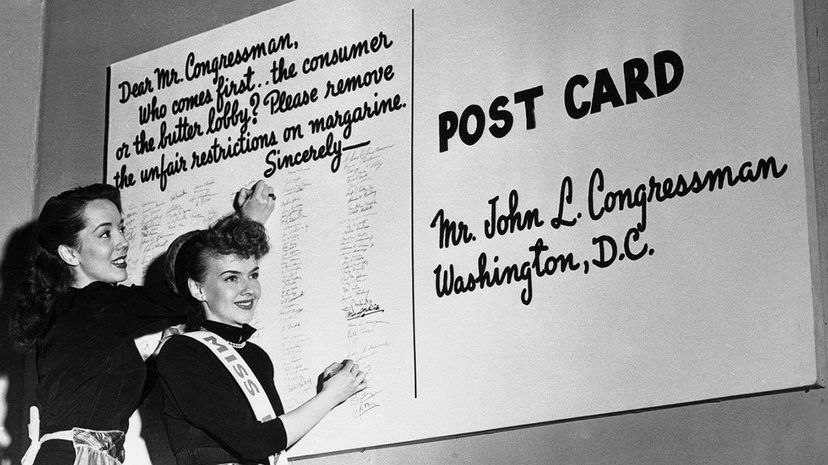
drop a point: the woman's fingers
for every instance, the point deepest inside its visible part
(360, 377)
(258, 202)
(241, 197)
(263, 191)
(347, 376)
(331, 370)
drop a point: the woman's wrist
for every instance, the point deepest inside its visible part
(328, 399)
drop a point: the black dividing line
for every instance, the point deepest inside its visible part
(106, 120)
(413, 316)
(356, 146)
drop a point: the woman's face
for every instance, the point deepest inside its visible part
(102, 248)
(230, 289)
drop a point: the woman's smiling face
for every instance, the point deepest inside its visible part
(102, 248)
(230, 289)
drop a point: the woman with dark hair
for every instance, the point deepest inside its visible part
(82, 326)
(220, 402)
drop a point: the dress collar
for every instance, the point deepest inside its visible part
(229, 333)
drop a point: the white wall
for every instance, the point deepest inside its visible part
(21, 60)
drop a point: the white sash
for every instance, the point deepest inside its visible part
(245, 378)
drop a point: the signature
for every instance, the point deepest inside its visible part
(355, 312)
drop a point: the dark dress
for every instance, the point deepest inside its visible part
(89, 371)
(208, 418)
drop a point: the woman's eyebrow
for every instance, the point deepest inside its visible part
(102, 225)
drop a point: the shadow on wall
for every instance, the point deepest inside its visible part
(12, 367)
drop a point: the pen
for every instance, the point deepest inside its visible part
(271, 195)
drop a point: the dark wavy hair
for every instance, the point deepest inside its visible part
(188, 255)
(47, 275)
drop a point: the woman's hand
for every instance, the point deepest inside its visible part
(343, 380)
(166, 334)
(339, 382)
(256, 203)
(332, 369)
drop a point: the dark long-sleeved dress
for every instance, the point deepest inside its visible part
(208, 418)
(89, 371)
